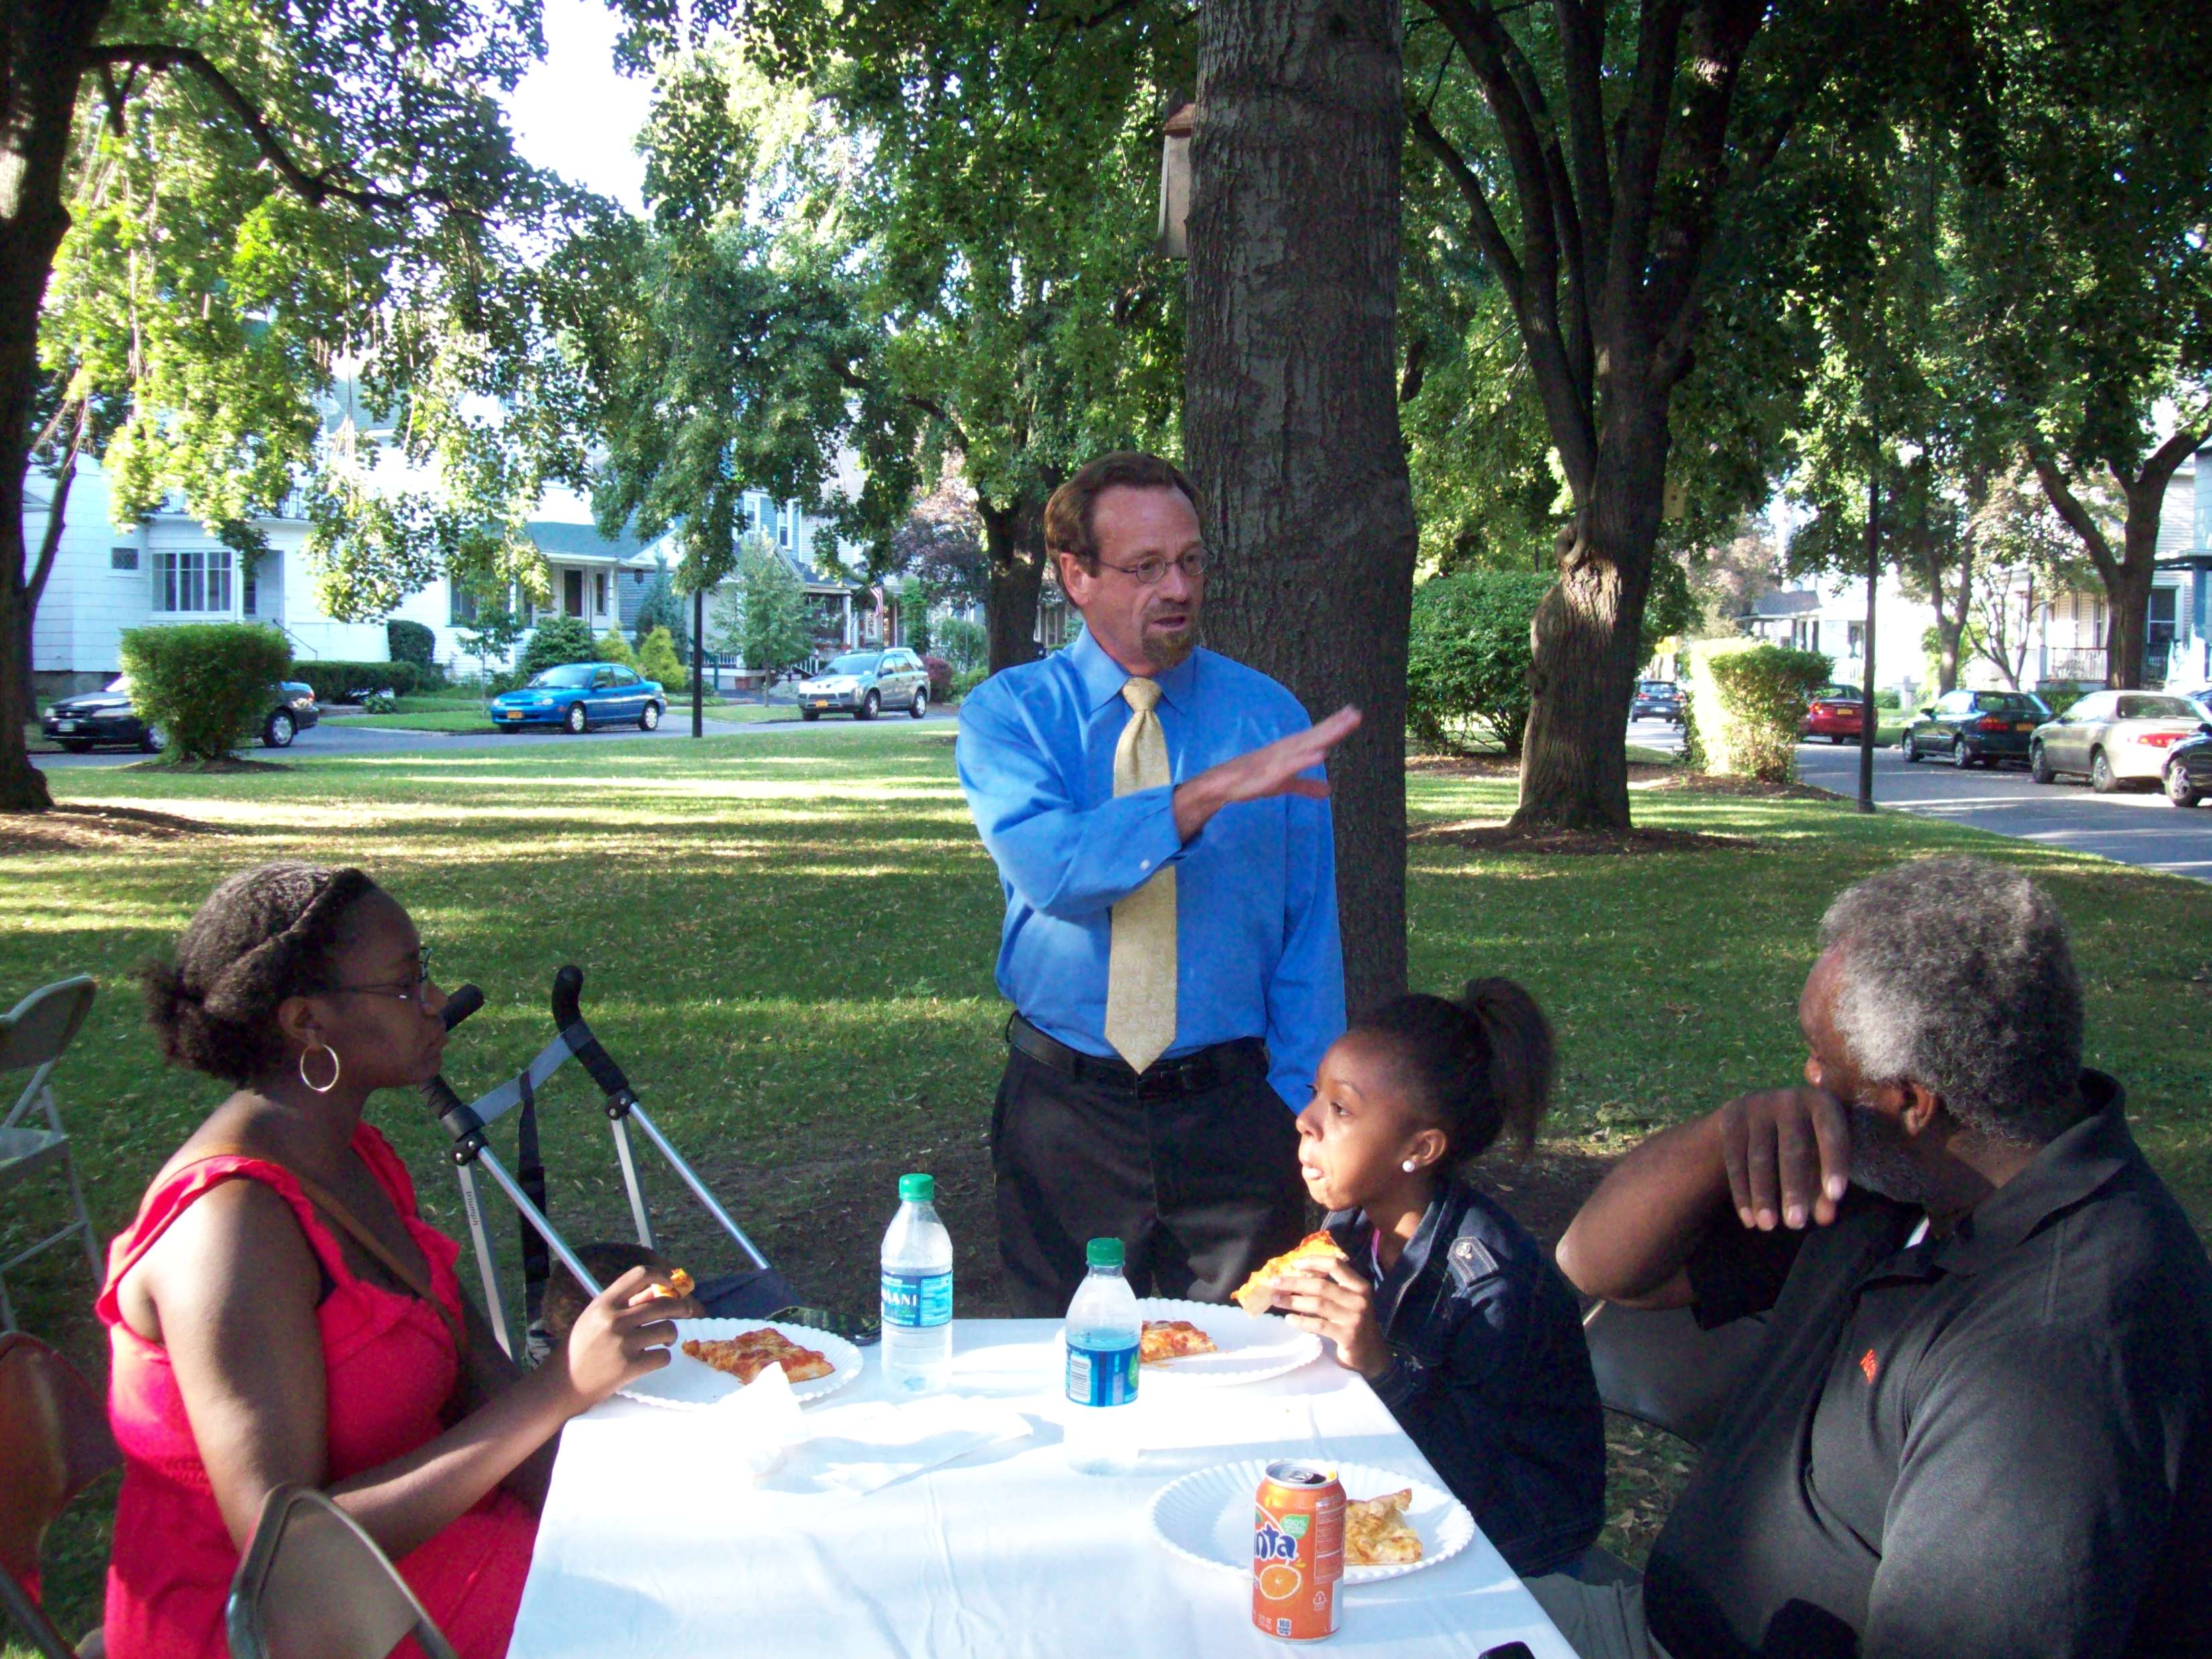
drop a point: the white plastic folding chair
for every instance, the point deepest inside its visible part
(313, 1585)
(32, 1037)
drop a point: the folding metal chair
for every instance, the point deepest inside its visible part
(313, 1585)
(32, 1037)
(1658, 1367)
(752, 1293)
(54, 1441)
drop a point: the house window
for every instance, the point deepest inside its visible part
(2162, 614)
(197, 581)
(1855, 639)
(787, 522)
(248, 604)
(121, 558)
(460, 603)
(599, 593)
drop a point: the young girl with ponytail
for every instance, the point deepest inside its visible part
(1444, 1304)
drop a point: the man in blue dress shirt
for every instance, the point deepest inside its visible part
(1161, 826)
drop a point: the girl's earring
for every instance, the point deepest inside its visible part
(321, 1087)
(1409, 1166)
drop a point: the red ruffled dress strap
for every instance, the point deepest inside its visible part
(390, 1365)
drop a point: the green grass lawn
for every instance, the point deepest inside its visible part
(790, 953)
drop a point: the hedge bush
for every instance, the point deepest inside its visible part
(336, 681)
(556, 641)
(208, 686)
(657, 660)
(940, 677)
(1468, 656)
(613, 647)
(410, 642)
(966, 680)
(1746, 703)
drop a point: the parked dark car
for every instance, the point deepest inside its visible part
(1975, 728)
(93, 719)
(1657, 700)
(2189, 769)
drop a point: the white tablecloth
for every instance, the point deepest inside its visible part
(653, 1543)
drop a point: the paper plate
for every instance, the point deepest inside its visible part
(1253, 1347)
(1207, 1517)
(691, 1384)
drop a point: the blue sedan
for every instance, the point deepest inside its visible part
(578, 695)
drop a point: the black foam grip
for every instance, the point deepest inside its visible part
(568, 991)
(462, 1001)
(597, 1063)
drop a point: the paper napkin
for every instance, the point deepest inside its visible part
(863, 1447)
(761, 1422)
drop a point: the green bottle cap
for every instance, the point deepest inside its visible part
(917, 1189)
(1104, 1253)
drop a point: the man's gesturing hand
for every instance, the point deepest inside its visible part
(1272, 770)
(1788, 1156)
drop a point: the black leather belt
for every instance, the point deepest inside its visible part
(1185, 1074)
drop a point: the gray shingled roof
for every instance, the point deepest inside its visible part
(581, 542)
(1785, 602)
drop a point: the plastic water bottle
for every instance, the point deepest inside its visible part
(1105, 1332)
(917, 1290)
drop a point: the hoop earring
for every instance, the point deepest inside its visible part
(321, 1087)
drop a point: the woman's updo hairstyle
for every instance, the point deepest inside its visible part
(265, 934)
(1481, 1067)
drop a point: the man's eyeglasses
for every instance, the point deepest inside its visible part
(1151, 573)
(403, 991)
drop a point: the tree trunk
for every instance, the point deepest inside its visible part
(2127, 575)
(1291, 412)
(44, 42)
(1588, 634)
(1013, 551)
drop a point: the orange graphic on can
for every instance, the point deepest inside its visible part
(1297, 1551)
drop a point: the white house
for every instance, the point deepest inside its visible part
(170, 567)
(2064, 632)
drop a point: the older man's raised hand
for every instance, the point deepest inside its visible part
(1277, 769)
(1787, 1152)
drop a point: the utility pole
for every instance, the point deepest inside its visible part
(1869, 725)
(699, 661)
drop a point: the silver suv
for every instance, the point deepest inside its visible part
(864, 684)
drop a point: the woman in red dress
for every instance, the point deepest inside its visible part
(279, 1313)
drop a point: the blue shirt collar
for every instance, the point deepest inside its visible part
(1103, 678)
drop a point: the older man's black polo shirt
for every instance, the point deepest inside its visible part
(1997, 1445)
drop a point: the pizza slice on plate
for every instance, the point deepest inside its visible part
(748, 1353)
(1173, 1338)
(1312, 1254)
(1377, 1533)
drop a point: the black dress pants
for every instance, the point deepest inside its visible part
(1199, 1186)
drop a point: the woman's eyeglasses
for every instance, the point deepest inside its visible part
(404, 991)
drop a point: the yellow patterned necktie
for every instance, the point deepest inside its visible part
(1141, 967)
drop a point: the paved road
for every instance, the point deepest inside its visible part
(371, 740)
(2130, 827)
(2127, 826)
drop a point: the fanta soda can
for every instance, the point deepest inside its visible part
(1297, 1551)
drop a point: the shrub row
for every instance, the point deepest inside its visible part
(341, 682)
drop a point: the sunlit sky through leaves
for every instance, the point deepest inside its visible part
(575, 113)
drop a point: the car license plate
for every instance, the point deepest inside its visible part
(64, 726)
(2025, 725)
(821, 702)
(509, 715)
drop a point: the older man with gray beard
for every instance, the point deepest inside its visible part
(1980, 1423)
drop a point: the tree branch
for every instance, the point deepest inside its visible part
(315, 188)
(2068, 507)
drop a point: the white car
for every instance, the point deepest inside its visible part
(2113, 737)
